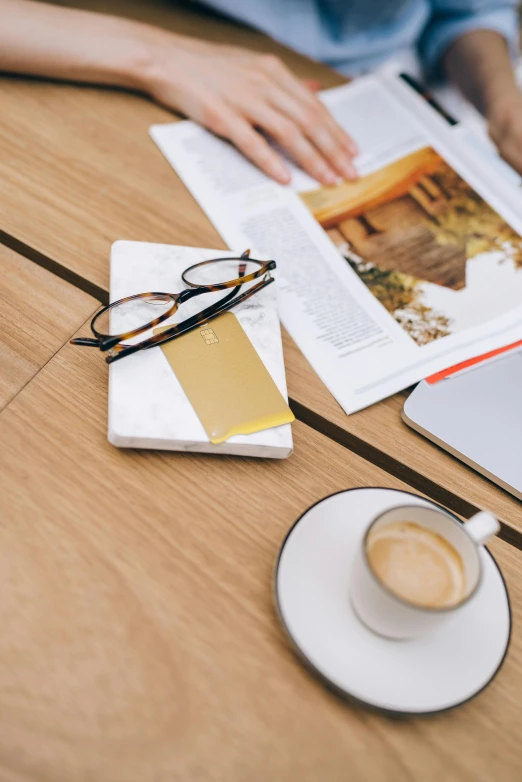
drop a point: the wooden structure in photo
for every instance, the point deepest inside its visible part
(385, 217)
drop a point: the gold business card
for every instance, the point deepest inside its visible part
(225, 381)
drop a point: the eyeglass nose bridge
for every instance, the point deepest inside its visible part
(106, 343)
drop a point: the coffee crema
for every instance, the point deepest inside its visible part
(417, 564)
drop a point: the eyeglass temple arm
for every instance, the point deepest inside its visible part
(87, 341)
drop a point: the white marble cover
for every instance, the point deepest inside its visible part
(147, 406)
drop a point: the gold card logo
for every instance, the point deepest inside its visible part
(209, 336)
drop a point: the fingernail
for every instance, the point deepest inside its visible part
(281, 173)
(326, 176)
(348, 170)
(352, 147)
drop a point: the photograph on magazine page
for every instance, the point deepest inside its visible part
(428, 247)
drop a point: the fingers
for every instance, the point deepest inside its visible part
(318, 126)
(305, 109)
(306, 100)
(292, 138)
(270, 98)
(225, 122)
(256, 148)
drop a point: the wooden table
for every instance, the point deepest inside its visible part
(38, 313)
(139, 640)
(94, 176)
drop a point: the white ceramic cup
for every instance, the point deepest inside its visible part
(389, 615)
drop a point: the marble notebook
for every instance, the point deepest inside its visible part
(147, 406)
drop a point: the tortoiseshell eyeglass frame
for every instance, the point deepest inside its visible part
(114, 343)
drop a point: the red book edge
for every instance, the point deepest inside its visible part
(469, 363)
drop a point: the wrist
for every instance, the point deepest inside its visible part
(141, 68)
(130, 57)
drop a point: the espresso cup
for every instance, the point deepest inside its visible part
(385, 612)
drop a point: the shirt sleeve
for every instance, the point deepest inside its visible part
(452, 18)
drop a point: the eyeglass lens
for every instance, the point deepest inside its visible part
(219, 272)
(133, 314)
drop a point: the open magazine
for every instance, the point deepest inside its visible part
(414, 267)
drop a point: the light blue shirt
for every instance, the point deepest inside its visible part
(357, 35)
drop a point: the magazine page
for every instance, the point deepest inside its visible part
(469, 131)
(384, 280)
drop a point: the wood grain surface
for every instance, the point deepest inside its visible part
(38, 313)
(139, 641)
(94, 176)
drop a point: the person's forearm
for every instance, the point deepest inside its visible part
(232, 91)
(63, 43)
(479, 63)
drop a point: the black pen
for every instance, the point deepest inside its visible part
(428, 97)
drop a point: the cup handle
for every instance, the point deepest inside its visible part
(481, 527)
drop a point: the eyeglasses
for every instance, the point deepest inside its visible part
(128, 318)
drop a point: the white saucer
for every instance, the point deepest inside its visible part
(437, 672)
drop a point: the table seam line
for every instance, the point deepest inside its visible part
(342, 437)
(397, 469)
(48, 263)
(36, 374)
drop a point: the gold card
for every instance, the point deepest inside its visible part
(225, 381)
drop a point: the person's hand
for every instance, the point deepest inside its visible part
(505, 127)
(241, 96)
